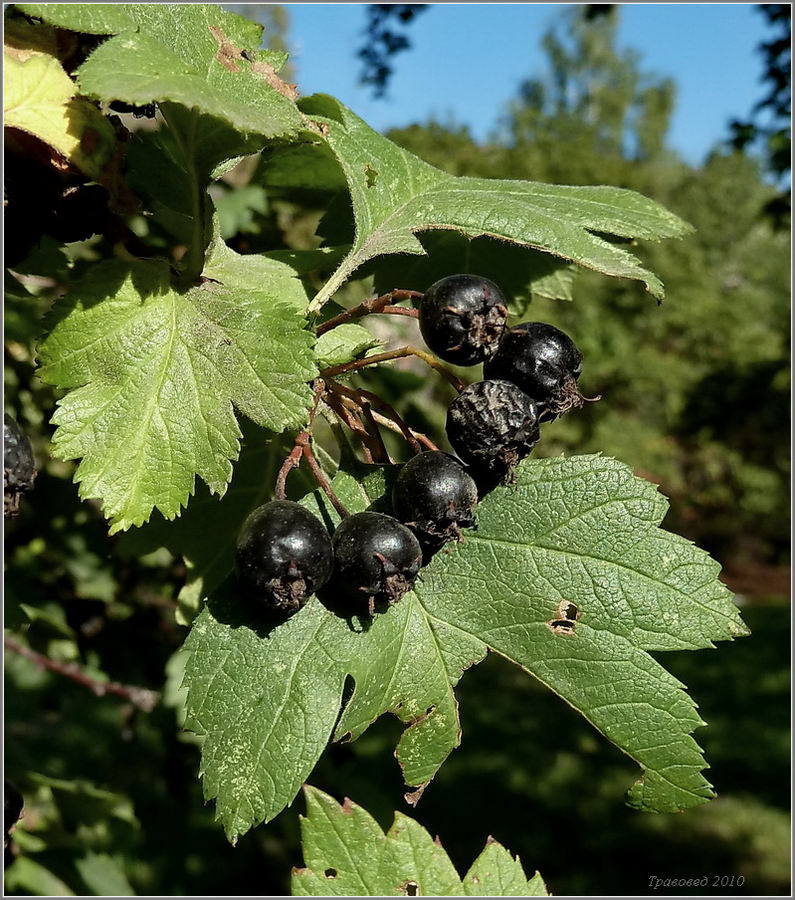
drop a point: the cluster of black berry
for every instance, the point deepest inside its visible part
(285, 554)
(531, 373)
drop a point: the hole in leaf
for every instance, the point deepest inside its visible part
(411, 889)
(562, 627)
(330, 873)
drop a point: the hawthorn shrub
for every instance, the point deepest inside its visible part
(195, 384)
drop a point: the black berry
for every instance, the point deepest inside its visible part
(462, 318)
(12, 805)
(434, 496)
(376, 559)
(19, 467)
(543, 361)
(283, 555)
(492, 426)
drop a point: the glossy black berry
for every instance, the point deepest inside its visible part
(12, 805)
(283, 555)
(435, 496)
(19, 467)
(462, 318)
(492, 426)
(543, 361)
(376, 559)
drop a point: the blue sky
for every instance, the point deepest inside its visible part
(467, 60)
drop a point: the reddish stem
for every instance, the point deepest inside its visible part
(320, 478)
(294, 457)
(357, 394)
(143, 698)
(371, 305)
(353, 422)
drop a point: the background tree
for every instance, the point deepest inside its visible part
(769, 126)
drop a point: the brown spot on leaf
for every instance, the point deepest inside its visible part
(347, 806)
(413, 797)
(227, 52)
(265, 70)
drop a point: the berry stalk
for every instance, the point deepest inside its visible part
(373, 305)
(399, 353)
(359, 395)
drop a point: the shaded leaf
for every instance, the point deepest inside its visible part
(342, 344)
(40, 99)
(520, 272)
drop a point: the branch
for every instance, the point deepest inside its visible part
(372, 305)
(143, 698)
(320, 478)
(380, 419)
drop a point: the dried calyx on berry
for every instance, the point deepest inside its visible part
(462, 318)
(544, 362)
(19, 467)
(283, 556)
(492, 426)
(435, 497)
(376, 559)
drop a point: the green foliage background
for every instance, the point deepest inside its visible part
(695, 396)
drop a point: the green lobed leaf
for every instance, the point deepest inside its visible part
(495, 873)
(574, 538)
(195, 55)
(153, 376)
(253, 272)
(395, 195)
(347, 854)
